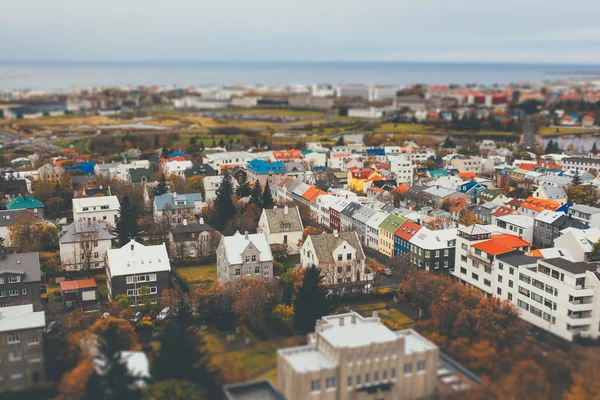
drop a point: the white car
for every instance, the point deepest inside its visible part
(163, 314)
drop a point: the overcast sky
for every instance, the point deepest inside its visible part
(545, 31)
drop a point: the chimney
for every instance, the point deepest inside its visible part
(174, 194)
(184, 222)
(353, 318)
(335, 233)
(109, 191)
(201, 221)
(246, 235)
(274, 207)
(375, 316)
(285, 210)
(341, 319)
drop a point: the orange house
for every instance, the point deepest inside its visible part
(532, 206)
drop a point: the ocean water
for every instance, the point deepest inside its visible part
(56, 75)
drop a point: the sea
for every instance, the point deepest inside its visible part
(64, 75)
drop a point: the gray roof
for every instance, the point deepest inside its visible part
(351, 209)
(364, 214)
(573, 267)
(294, 166)
(490, 194)
(137, 174)
(28, 263)
(517, 258)
(7, 217)
(169, 199)
(256, 390)
(105, 167)
(325, 243)
(582, 208)
(554, 192)
(71, 232)
(276, 217)
(195, 227)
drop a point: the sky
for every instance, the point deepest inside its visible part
(521, 31)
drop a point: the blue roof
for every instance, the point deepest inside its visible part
(263, 167)
(177, 154)
(438, 172)
(86, 167)
(376, 152)
(320, 168)
(564, 208)
(167, 198)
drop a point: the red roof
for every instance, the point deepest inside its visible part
(527, 166)
(286, 155)
(407, 230)
(502, 211)
(536, 204)
(80, 284)
(500, 244)
(402, 188)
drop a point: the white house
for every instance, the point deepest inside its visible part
(176, 168)
(520, 225)
(178, 206)
(372, 229)
(282, 226)
(217, 160)
(579, 242)
(84, 244)
(403, 169)
(339, 255)
(104, 208)
(244, 256)
(550, 192)
(586, 214)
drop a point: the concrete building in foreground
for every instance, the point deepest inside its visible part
(350, 357)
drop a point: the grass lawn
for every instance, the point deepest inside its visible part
(277, 112)
(199, 273)
(400, 128)
(395, 321)
(255, 359)
(290, 261)
(552, 131)
(52, 291)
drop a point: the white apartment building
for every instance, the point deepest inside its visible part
(586, 214)
(84, 244)
(581, 164)
(176, 168)
(403, 169)
(350, 357)
(520, 225)
(104, 208)
(372, 230)
(217, 160)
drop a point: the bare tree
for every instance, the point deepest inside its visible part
(162, 224)
(85, 246)
(206, 245)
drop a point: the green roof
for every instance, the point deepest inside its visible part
(392, 223)
(438, 173)
(22, 203)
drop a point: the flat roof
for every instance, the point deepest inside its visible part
(573, 267)
(255, 390)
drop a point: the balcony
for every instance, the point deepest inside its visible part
(483, 260)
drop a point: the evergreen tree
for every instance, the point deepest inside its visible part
(311, 300)
(576, 179)
(162, 186)
(340, 141)
(182, 354)
(243, 189)
(111, 379)
(224, 207)
(448, 143)
(202, 146)
(267, 197)
(127, 226)
(550, 147)
(594, 148)
(221, 143)
(256, 195)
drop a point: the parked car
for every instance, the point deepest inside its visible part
(69, 304)
(43, 289)
(51, 326)
(163, 314)
(387, 271)
(138, 315)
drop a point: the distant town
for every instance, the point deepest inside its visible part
(299, 242)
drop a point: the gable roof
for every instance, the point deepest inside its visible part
(236, 244)
(200, 169)
(407, 230)
(169, 199)
(500, 244)
(553, 192)
(135, 258)
(433, 240)
(502, 211)
(277, 217)
(24, 202)
(137, 175)
(70, 233)
(392, 223)
(325, 243)
(78, 284)
(22, 263)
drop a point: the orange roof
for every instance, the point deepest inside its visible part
(402, 188)
(536, 253)
(80, 284)
(225, 166)
(533, 203)
(375, 189)
(467, 175)
(178, 158)
(283, 182)
(312, 193)
(502, 211)
(554, 166)
(407, 230)
(527, 166)
(458, 205)
(500, 244)
(570, 96)
(588, 117)
(340, 155)
(286, 154)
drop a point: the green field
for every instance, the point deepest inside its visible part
(277, 112)
(552, 131)
(405, 128)
(197, 274)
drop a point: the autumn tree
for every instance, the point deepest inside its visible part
(527, 380)
(310, 230)
(283, 314)
(582, 194)
(467, 217)
(250, 302)
(311, 301)
(72, 384)
(224, 207)
(196, 184)
(126, 336)
(595, 254)
(586, 378)
(127, 226)
(29, 234)
(174, 390)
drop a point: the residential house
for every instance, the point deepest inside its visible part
(472, 189)
(295, 170)
(105, 208)
(137, 271)
(287, 156)
(262, 171)
(177, 206)
(548, 226)
(176, 168)
(496, 196)
(244, 256)
(140, 176)
(346, 216)
(27, 202)
(14, 187)
(581, 164)
(337, 179)
(433, 250)
(520, 225)
(7, 218)
(372, 229)
(403, 236)
(387, 230)
(83, 244)
(335, 211)
(436, 195)
(82, 293)
(211, 184)
(532, 206)
(50, 172)
(199, 170)
(222, 161)
(484, 211)
(579, 242)
(586, 214)
(501, 212)
(549, 192)
(339, 255)
(20, 279)
(193, 239)
(283, 226)
(360, 219)
(21, 346)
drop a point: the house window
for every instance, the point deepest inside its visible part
(315, 385)
(340, 257)
(499, 291)
(32, 342)
(349, 256)
(427, 254)
(393, 373)
(2, 293)
(511, 271)
(407, 368)
(254, 258)
(13, 292)
(16, 355)
(487, 282)
(350, 381)
(437, 253)
(129, 279)
(266, 273)
(358, 380)
(421, 366)
(1, 281)
(238, 271)
(330, 383)
(248, 270)
(24, 291)
(475, 276)
(13, 338)
(510, 283)
(247, 259)
(367, 378)
(153, 290)
(14, 279)
(257, 270)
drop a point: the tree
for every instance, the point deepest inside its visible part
(448, 143)
(162, 186)
(183, 354)
(340, 141)
(594, 149)
(243, 189)
(250, 302)
(256, 194)
(586, 379)
(127, 227)
(311, 300)
(72, 384)
(550, 147)
(582, 194)
(466, 217)
(29, 234)
(595, 254)
(196, 184)
(224, 207)
(283, 314)
(174, 390)
(310, 230)
(126, 336)
(576, 181)
(267, 197)
(85, 246)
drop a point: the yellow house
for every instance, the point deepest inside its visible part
(357, 178)
(387, 230)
